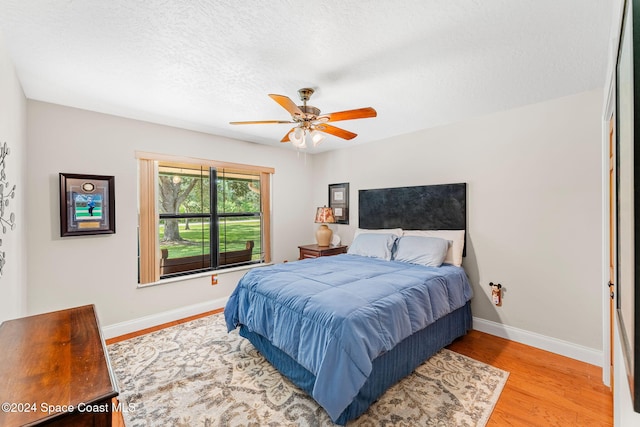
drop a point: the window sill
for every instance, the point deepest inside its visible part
(200, 275)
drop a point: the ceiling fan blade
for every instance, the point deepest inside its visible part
(340, 133)
(261, 122)
(360, 113)
(286, 137)
(286, 103)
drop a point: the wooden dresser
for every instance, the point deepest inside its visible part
(315, 251)
(54, 370)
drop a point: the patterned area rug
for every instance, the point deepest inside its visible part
(197, 374)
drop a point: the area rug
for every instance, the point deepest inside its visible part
(197, 374)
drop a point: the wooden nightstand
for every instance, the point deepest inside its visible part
(315, 251)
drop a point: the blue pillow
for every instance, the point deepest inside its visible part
(429, 251)
(373, 245)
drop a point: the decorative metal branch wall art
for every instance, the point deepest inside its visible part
(7, 192)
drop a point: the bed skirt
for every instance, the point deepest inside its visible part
(388, 368)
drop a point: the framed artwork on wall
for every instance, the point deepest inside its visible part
(87, 205)
(339, 201)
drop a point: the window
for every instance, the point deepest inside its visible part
(200, 215)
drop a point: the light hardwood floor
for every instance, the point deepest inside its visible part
(543, 389)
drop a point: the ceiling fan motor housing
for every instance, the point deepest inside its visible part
(309, 110)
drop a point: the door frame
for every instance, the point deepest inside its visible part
(611, 241)
(608, 317)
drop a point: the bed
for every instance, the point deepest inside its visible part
(347, 327)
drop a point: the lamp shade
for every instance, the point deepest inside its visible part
(325, 215)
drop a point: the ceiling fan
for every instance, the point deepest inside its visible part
(310, 121)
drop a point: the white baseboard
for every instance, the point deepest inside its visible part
(564, 348)
(543, 342)
(141, 323)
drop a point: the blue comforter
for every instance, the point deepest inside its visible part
(334, 315)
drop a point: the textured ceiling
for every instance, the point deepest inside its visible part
(199, 64)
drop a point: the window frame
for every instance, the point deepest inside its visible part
(148, 223)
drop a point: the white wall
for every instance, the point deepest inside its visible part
(13, 132)
(534, 207)
(102, 270)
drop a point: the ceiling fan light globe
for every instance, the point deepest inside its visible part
(297, 141)
(317, 137)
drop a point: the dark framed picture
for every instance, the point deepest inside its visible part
(339, 201)
(87, 205)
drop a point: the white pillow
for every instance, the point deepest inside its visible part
(454, 254)
(429, 251)
(374, 245)
(395, 231)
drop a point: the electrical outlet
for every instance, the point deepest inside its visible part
(214, 279)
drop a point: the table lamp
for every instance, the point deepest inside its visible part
(324, 216)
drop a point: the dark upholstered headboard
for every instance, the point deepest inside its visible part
(424, 207)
